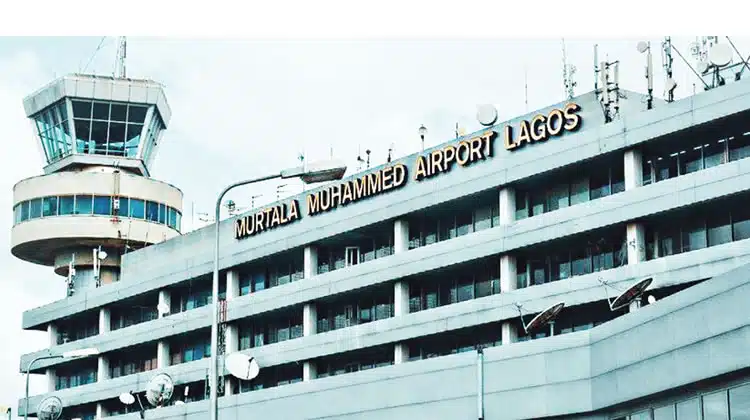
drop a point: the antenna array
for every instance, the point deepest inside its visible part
(568, 71)
(608, 74)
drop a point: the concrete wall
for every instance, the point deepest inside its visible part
(695, 334)
(169, 262)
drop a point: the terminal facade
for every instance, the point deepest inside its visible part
(370, 297)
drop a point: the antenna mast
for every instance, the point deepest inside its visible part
(666, 59)
(568, 71)
(121, 56)
(609, 92)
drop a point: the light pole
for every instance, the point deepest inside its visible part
(73, 354)
(422, 133)
(328, 170)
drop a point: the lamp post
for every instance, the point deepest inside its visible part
(73, 354)
(422, 133)
(328, 170)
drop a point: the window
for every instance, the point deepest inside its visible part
(688, 410)
(84, 204)
(49, 207)
(152, 211)
(739, 146)
(162, 214)
(137, 208)
(35, 208)
(739, 402)
(102, 205)
(172, 219)
(715, 406)
(66, 205)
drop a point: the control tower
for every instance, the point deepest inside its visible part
(95, 200)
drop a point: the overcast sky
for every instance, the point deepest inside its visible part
(242, 108)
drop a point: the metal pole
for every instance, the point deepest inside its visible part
(28, 369)
(214, 366)
(480, 383)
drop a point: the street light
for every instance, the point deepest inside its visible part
(309, 173)
(72, 354)
(422, 133)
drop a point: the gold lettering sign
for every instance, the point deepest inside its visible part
(269, 218)
(464, 153)
(543, 127)
(386, 179)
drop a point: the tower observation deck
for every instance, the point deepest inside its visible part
(95, 201)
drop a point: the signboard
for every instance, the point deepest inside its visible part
(463, 153)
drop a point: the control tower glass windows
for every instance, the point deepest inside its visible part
(106, 128)
(84, 204)
(54, 132)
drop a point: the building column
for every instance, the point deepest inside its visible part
(231, 339)
(104, 320)
(165, 299)
(101, 412)
(400, 288)
(636, 242)
(51, 379)
(310, 261)
(52, 333)
(102, 371)
(633, 162)
(508, 275)
(309, 327)
(162, 348)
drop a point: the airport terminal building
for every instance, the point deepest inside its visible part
(393, 293)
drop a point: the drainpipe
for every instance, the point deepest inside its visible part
(480, 383)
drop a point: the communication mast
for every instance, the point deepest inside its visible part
(568, 71)
(608, 75)
(666, 58)
(122, 48)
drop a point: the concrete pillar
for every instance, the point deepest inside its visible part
(400, 236)
(104, 320)
(507, 205)
(508, 283)
(309, 319)
(101, 412)
(232, 342)
(102, 371)
(400, 353)
(633, 169)
(508, 333)
(165, 299)
(52, 333)
(636, 243)
(162, 354)
(310, 261)
(233, 284)
(400, 298)
(309, 370)
(400, 288)
(51, 379)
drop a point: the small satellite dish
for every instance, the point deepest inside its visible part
(720, 55)
(178, 402)
(102, 255)
(486, 114)
(628, 296)
(242, 366)
(127, 398)
(670, 84)
(642, 46)
(163, 308)
(702, 67)
(651, 299)
(49, 409)
(159, 390)
(544, 317)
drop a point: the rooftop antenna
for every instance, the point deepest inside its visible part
(252, 200)
(596, 69)
(568, 72)
(390, 152)
(645, 47)
(301, 157)
(360, 161)
(367, 152)
(666, 58)
(279, 190)
(696, 53)
(121, 56)
(526, 87)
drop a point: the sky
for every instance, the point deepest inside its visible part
(243, 108)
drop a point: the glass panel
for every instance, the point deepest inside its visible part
(483, 218)
(99, 137)
(133, 138)
(83, 128)
(715, 406)
(84, 204)
(116, 139)
(102, 205)
(537, 200)
(35, 208)
(172, 220)
(118, 112)
(66, 205)
(152, 211)
(694, 236)
(719, 228)
(137, 208)
(739, 402)
(739, 147)
(600, 185)
(643, 415)
(558, 197)
(137, 113)
(162, 214)
(691, 160)
(178, 224)
(741, 223)
(714, 154)
(101, 111)
(521, 211)
(647, 171)
(688, 410)
(49, 206)
(82, 109)
(666, 167)
(579, 191)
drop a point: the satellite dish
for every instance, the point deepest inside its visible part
(702, 67)
(486, 114)
(628, 296)
(670, 84)
(642, 46)
(49, 409)
(242, 366)
(720, 55)
(127, 398)
(544, 317)
(651, 299)
(159, 390)
(102, 255)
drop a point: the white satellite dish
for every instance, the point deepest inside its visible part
(642, 46)
(670, 84)
(127, 398)
(242, 366)
(702, 67)
(651, 299)
(720, 55)
(49, 409)
(159, 390)
(486, 114)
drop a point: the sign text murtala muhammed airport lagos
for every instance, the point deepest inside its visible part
(392, 177)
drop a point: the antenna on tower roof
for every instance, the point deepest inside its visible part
(666, 58)
(568, 71)
(122, 47)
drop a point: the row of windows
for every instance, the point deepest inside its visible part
(98, 205)
(105, 128)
